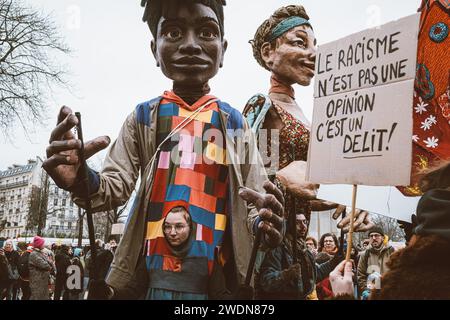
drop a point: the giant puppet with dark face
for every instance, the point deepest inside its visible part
(190, 150)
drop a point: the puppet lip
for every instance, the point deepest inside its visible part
(190, 61)
(309, 68)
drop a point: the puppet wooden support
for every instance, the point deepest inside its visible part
(84, 172)
(352, 222)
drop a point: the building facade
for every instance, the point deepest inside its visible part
(62, 214)
(16, 184)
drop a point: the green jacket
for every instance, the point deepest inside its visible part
(130, 157)
(372, 261)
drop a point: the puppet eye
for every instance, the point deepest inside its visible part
(173, 33)
(299, 43)
(207, 33)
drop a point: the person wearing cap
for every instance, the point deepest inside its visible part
(40, 268)
(374, 258)
(420, 271)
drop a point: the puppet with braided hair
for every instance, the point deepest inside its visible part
(285, 45)
(184, 146)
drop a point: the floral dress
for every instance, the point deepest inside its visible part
(293, 144)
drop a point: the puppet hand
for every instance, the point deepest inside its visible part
(293, 178)
(324, 205)
(341, 279)
(362, 222)
(99, 290)
(62, 161)
(270, 210)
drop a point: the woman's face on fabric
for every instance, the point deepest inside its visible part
(176, 229)
(293, 58)
(328, 244)
(189, 47)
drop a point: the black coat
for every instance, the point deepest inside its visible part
(102, 263)
(62, 261)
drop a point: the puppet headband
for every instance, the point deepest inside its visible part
(286, 25)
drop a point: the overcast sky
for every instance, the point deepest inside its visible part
(113, 69)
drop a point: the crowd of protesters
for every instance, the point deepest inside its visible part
(45, 271)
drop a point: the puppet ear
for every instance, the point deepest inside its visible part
(224, 49)
(267, 54)
(155, 52)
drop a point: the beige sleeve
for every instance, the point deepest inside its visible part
(120, 170)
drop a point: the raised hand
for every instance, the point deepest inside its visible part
(270, 206)
(341, 279)
(62, 161)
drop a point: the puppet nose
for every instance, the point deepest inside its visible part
(190, 46)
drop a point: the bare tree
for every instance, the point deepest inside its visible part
(390, 227)
(37, 211)
(29, 43)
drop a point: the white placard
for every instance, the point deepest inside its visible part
(362, 129)
(117, 228)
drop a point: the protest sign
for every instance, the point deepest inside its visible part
(117, 228)
(362, 121)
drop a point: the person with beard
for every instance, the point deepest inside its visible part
(290, 271)
(420, 270)
(374, 259)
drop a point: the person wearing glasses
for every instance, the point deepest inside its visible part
(373, 260)
(184, 274)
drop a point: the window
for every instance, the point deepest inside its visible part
(55, 202)
(56, 190)
(71, 203)
(63, 202)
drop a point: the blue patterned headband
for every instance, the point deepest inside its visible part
(286, 25)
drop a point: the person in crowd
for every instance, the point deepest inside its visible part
(323, 288)
(311, 245)
(4, 274)
(290, 271)
(62, 262)
(103, 260)
(13, 260)
(40, 268)
(420, 270)
(24, 269)
(76, 292)
(112, 245)
(374, 259)
(328, 243)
